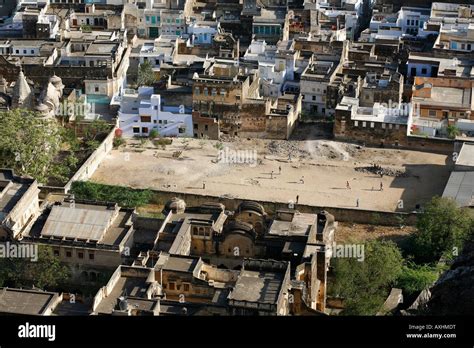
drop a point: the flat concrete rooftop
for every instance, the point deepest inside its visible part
(259, 287)
(26, 302)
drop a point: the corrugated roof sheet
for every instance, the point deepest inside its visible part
(77, 223)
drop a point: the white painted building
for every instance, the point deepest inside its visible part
(142, 111)
(33, 3)
(409, 21)
(276, 65)
(202, 32)
(158, 52)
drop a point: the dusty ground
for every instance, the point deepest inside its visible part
(312, 168)
(352, 233)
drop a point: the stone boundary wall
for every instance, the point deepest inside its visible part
(353, 215)
(86, 171)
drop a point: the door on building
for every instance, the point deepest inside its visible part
(154, 33)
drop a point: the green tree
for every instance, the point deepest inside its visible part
(364, 285)
(28, 143)
(441, 227)
(93, 133)
(146, 75)
(453, 131)
(414, 278)
(219, 146)
(45, 272)
(153, 134)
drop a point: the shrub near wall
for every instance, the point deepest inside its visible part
(123, 196)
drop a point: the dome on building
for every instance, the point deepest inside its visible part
(175, 205)
(22, 95)
(52, 96)
(251, 206)
(56, 81)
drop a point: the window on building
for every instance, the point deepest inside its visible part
(56, 252)
(432, 113)
(68, 253)
(206, 92)
(424, 71)
(172, 286)
(397, 126)
(185, 287)
(356, 123)
(80, 255)
(390, 126)
(136, 130)
(145, 119)
(91, 256)
(364, 124)
(222, 91)
(197, 90)
(206, 127)
(144, 129)
(195, 126)
(383, 125)
(96, 89)
(214, 92)
(314, 97)
(372, 124)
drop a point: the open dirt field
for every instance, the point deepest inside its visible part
(316, 170)
(356, 233)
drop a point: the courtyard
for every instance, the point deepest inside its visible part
(314, 171)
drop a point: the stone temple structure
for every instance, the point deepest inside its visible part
(23, 96)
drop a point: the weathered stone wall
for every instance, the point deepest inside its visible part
(205, 127)
(86, 171)
(341, 214)
(344, 129)
(71, 76)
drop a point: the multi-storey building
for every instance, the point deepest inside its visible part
(142, 111)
